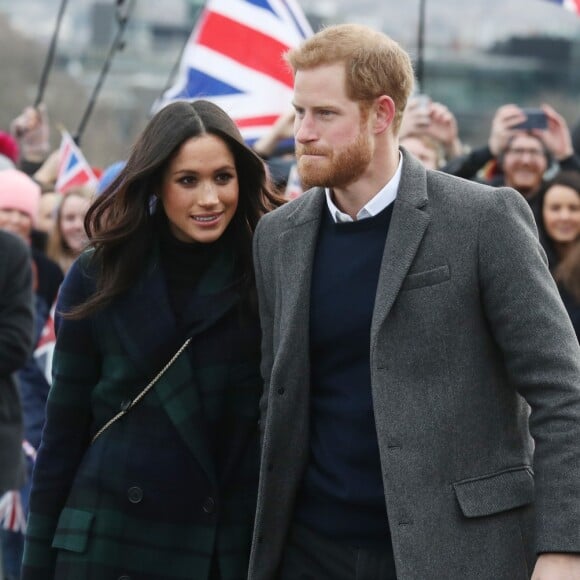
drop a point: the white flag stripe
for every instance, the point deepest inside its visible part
(263, 93)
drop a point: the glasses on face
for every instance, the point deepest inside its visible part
(521, 151)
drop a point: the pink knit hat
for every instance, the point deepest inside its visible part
(18, 191)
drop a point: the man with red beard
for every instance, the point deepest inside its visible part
(409, 323)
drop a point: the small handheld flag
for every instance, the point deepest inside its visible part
(11, 513)
(73, 168)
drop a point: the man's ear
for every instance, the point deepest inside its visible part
(384, 111)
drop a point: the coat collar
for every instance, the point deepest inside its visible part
(412, 192)
(148, 329)
(408, 225)
(407, 228)
(144, 319)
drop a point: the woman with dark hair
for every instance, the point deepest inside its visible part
(149, 460)
(559, 227)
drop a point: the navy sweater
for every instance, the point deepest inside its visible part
(342, 491)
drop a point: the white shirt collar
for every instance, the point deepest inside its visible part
(376, 204)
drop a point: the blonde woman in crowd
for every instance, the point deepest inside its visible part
(68, 238)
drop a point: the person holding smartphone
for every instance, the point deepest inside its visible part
(522, 146)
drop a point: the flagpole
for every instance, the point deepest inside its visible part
(420, 45)
(175, 67)
(50, 55)
(116, 45)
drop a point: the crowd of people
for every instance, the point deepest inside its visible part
(379, 380)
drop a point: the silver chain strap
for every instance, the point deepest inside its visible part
(141, 394)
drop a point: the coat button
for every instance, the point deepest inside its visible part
(281, 391)
(208, 505)
(135, 494)
(125, 405)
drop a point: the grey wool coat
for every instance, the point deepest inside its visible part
(468, 335)
(16, 333)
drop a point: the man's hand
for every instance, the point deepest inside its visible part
(557, 136)
(31, 129)
(416, 117)
(283, 128)
(557, 567)
(502, 127)
(443, 128)
(425, 117)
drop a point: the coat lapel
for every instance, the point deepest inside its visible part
(145, 322)
(408, 225)
(179, 398)
(149, 331)
(298, 244)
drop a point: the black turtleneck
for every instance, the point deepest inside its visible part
(184, 264)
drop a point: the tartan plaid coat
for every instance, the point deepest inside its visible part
(155, 497)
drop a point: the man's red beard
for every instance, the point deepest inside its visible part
(334, 168)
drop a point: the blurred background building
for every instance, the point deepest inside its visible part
(477, 56)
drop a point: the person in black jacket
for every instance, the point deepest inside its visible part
(19, 202)
(520, 158)
(16, 333)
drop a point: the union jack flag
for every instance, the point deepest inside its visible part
(234, 59)
(572, 5)
(11, 513)
(73, 168)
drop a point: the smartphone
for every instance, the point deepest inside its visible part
(536, 119)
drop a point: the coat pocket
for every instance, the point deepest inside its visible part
(73, 529)
(495, 493)
(426, 278)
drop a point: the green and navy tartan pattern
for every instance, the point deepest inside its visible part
(173, 483)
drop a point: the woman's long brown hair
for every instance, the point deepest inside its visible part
(120, 224)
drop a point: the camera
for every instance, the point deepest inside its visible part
(536, 119)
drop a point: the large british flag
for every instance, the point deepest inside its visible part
(234, 58)
(73, 168)
(572, 5)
